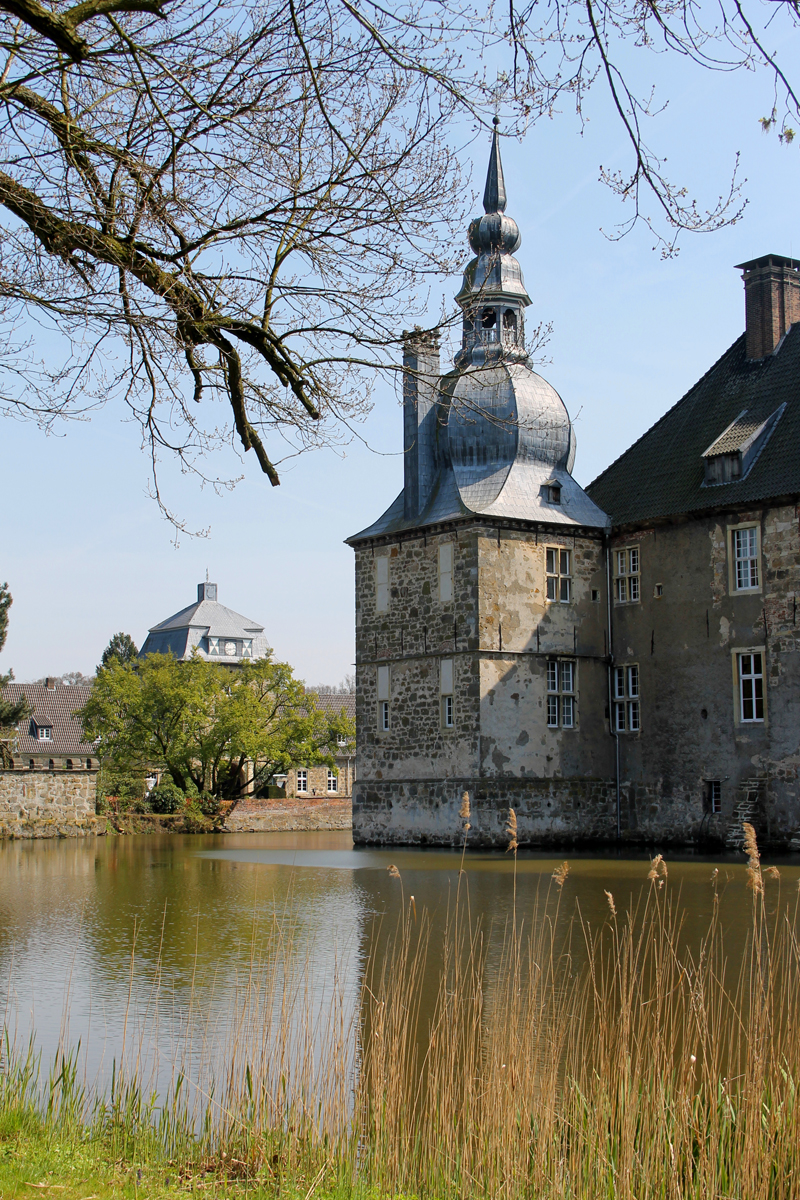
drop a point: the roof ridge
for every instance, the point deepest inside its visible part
(664, 416)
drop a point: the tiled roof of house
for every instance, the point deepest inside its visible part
(53, 708)
(662, 474)
(334, 702)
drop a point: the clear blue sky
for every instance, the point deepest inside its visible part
(86, 554)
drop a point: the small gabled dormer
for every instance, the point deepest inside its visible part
(731, 456)
(551, 491)
(42, 731)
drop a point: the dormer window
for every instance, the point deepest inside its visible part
(730, 457)
(44, 733)
(551, 491)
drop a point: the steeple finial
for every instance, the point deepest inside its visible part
(494, 196)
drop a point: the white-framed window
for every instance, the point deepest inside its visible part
(213, 645)
(713, 796)
(302, 781)
(626, 575)
(446, 690)
(341, 740)
(445, 571)
(333, 781)
(384, 699)
(247, 647)
(558, 566)
(382, 583)
(751, 686)
(561, 693)
(44, 733)
(627, 705)
(745, 552)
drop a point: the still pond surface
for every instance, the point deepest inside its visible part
(152, 940)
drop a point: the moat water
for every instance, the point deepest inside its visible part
(152, 941)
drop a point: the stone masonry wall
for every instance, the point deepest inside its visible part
(44, 804)
(500, 631)
(685, 635)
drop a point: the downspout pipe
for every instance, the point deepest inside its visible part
(611, 721)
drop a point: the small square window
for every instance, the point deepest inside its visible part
(44, 733)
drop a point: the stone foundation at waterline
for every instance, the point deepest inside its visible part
(549, 812)
(47, 804)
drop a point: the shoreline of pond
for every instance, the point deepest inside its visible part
(286, 815)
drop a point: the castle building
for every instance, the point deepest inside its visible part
(210, 630)
(619, 662)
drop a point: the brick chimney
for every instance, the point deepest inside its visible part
(420, 413)
(772, 301)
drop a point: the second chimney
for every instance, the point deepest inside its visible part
(420, 413)
(772, 301)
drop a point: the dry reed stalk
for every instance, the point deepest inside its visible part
(566, 1062)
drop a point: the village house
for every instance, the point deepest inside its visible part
(335, 783)
(50, 782)
(615, 662)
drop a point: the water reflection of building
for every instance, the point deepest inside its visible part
(619, 662)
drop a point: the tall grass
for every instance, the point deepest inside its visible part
(624, 1060)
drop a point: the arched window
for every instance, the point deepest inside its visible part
(489, 318)
(510, 320)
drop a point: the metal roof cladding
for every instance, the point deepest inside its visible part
(502, 437)
(189, 629)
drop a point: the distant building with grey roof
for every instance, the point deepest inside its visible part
(210, 630)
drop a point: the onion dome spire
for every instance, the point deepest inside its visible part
(493, 293)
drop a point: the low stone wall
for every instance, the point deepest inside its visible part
(290, 815)
(47, 804)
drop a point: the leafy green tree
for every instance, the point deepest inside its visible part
(122, 648)
(222, 733)
(11, 712)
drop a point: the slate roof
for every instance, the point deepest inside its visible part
(662, 474)
(53, 707)
(187, 630)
